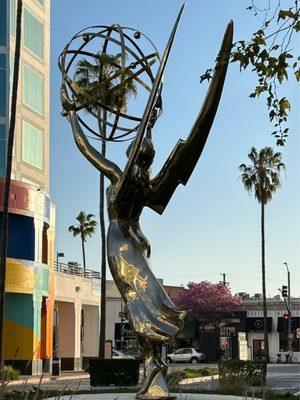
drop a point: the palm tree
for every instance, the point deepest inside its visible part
(262, 178)
(85, 227)
(100, 82)
(9, 156)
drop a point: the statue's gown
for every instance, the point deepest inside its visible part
(151, 312)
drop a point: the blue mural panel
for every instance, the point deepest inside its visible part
(3, 84)
(19, 308)
(21, 237)
(2, 149)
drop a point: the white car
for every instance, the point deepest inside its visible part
(187, 355)
(117, 354)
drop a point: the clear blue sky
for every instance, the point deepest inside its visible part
(211, 226)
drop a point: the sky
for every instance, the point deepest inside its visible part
(212, 225)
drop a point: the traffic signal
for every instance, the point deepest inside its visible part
(284, 291)
(286, 317)
(294, 324)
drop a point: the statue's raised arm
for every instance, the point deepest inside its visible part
(184, 157)
(107, 167)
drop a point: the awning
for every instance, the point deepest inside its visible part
(188, 331)
(283, 324)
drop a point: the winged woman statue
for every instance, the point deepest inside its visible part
(154, 317)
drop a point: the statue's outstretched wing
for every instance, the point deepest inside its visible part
(183, 159)
(153, 98)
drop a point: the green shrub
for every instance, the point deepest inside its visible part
(8, 373)
(175, 377)
(251, 372)
(123, 372)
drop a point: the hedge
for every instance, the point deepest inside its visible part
(107, 372)
(252, 372)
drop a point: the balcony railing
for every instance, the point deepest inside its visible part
(76, 270)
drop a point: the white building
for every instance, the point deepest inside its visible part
(277, 327)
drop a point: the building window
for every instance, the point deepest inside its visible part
(32, 149)
(33, 34)
(3, 25)
(11, 72)
(12, 16)
(2, 149)
(42, 2)
(30, 182)
(2, 85)
(33, 85)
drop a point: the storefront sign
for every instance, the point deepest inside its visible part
(257, 324)
(124, 332)
(227, 330)
(272, 313)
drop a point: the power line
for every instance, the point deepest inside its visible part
(216, 274)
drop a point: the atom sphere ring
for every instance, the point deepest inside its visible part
(140, 65)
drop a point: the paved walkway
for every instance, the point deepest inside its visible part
(131, 396)
(71, 380)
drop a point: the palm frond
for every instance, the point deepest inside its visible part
(262, 177)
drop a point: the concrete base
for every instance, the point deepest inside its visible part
(71, 364)
(131, 396)
(27, 367)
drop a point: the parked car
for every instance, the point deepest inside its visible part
(135, 353)
(187, 355)
(117, 354)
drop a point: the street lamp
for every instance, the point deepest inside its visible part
(56, 367)
(289, 309)
(58, 255)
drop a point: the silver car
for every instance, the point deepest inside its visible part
(119, 354)
(187, 355)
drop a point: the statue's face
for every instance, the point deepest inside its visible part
(146, 154)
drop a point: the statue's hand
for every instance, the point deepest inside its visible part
(67, 104)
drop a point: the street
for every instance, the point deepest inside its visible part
(284, 377)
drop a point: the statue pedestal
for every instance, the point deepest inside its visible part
(132, 396)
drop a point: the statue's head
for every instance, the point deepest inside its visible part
(146, 153)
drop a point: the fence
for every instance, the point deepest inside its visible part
(74, 269)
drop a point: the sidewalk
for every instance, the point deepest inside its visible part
(71, 380)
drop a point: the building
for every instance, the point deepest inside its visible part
(77, 307)
(277, 327)
(29, 300)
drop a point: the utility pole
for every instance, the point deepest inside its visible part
(224, 279)
(289, 309)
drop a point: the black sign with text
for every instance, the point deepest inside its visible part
(126, 333)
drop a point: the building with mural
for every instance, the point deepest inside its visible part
(29, 299)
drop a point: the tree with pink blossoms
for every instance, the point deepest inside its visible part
(207, 302)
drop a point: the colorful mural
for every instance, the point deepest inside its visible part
(29, 297)
(28, 311)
